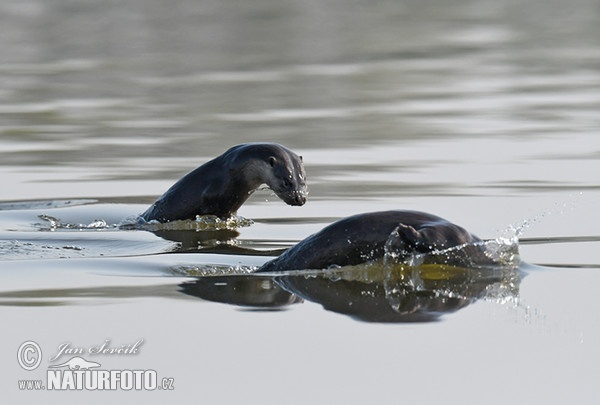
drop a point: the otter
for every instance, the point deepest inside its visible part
(220, 186)
(368, 237)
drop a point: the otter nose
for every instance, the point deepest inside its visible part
(299, 198)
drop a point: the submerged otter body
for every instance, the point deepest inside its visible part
(367, 237)
(220, 186)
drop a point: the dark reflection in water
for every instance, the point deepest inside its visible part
(191, 241)
(371, 293)
(245, 291)
(207, 234)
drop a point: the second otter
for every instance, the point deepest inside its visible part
(368, 237)
(220, 186)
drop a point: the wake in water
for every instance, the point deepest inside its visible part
(52, 224)
(201, 223)
(86, 228)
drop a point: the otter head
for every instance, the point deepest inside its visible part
(287, 179)
(271, 164)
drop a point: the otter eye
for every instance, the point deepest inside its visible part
(272, 160)
(287, 183)
(302, 160)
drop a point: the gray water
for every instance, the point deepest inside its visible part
(485, 113)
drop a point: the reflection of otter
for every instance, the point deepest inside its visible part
(372, 293)
(405, 294)
(246, 291)
(191, 241)
(208, 241)
(220, 186)
(367, 237)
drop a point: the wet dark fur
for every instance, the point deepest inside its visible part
(362, 238)
(220, 186)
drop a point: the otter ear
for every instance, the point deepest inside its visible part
(302, 160)
(272, 160)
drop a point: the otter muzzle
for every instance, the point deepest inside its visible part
(296, 198)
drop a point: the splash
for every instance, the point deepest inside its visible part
(501, 251)
(201, 223)
(211, 270)
(518, 229)
(559, 208)
(463, 273)
(53, 224)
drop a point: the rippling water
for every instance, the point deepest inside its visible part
(484, 113)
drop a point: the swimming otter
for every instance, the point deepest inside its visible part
(220, 186)
(367, 237)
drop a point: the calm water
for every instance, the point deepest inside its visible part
(482, 112)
